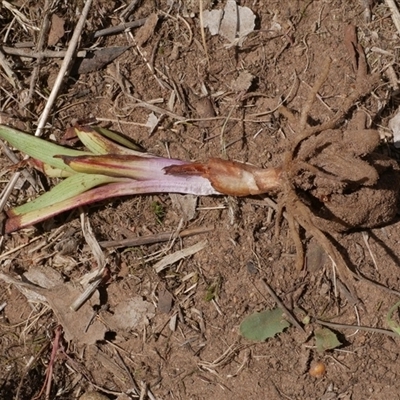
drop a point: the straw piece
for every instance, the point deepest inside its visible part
(64, 68)
(39, 54)
(178, 255)
(395, 13)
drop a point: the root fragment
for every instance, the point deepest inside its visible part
(313, 94)
(332, 180)
(303, 216)
(294, 230)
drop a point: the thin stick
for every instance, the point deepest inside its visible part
(5, 194)
(15, 160)
(157, 109)
(39, 54)
(359, 327)
(64, 68)
(365, 237)
(119, 28)
(15, 249)
(129, 9)
(203, 36)
(156, 238)
(44, 30)
(288, 313)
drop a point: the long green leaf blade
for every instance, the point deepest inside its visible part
(119, 187)
(69, 187)
(38, 148)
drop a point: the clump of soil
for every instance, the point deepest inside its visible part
(345, 182)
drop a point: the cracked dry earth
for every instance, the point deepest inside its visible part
(188, 346)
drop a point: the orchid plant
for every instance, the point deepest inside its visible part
(114, 166)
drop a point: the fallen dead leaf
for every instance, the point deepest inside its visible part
(132, 314)
(234, 22)
(57, 30)
(185, 205)
(76, 324)
(147, 30)
(100, 58)
(243, 82)
(165, 301)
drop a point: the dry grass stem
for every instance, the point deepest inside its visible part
(202, 31)
(334, 325)
(40, 54)
(395, 13)
(288, 313)
(41, 44)
(66, 64)
(365, 238)
(12, 77)
(6, 254)
(156, 238)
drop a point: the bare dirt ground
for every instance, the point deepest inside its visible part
(218, 100)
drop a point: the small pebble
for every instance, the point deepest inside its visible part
(317, 370)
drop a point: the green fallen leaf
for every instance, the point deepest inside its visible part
(263, 325)
(393, 325)
(325, 339)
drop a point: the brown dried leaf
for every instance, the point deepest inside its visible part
(185, 205)
(100, 58)
(59, 298)
(56, 30)
(132, 314)
(74, 323)
(165, 300)
(147, 30)
(243, 82)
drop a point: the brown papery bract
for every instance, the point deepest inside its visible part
(231, 177)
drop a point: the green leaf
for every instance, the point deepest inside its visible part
(75, 191)
(325, 339)
(66, 189)
(38, 148)
(393, 325)
(263, 325)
